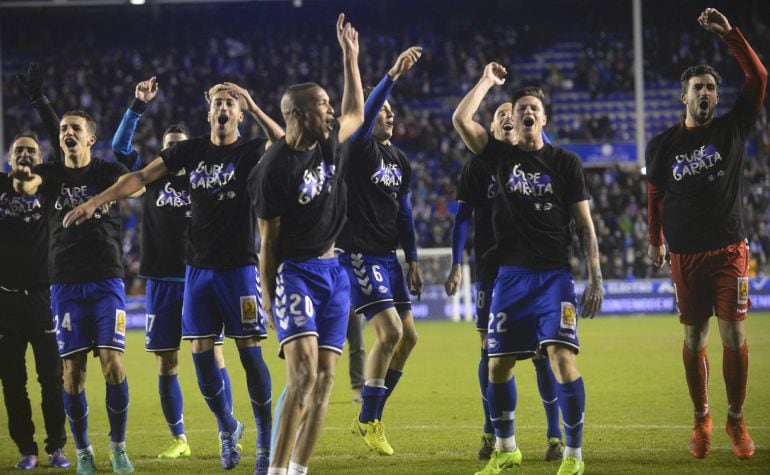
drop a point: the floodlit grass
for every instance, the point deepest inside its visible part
(638, 413)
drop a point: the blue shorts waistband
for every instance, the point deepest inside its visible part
(318, 261)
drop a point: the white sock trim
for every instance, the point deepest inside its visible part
(575, 452)
(375, 383)
(297, 469)
(506, 444)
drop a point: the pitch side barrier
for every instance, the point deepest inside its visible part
(621, 297)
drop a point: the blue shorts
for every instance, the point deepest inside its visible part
(163, 324)
(376, 283)
(89, 315)
(482, 298)
(312, 298)
(531, 309)
(214, 298)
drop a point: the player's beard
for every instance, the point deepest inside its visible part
(701, 116)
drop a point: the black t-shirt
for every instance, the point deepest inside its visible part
(221, 232)
(165, 218)
(700, 171)
(93, 250)
(531, 212)
(378, 175)
(23, 238)
(478, 187)
(307, 190)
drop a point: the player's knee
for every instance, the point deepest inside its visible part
(391, 336)
(501, 369)
(113, 371)
(409, 338)
(301, 380)
(168, 363)
(74, 373)
(733, 336)
(323, 385)
(563, 363)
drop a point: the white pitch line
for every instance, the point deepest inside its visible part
(589, 428)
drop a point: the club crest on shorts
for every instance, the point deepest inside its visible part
(249, 309)
(120, 322)
(568, 316)
(743, 290)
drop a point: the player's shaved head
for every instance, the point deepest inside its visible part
(296, 97)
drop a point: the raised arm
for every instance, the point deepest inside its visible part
(272, 130)
(460, 229)
(584, 226)
(352, 111)
(380, 93)
(144, 92)
(127, 185)
(754, 73)
(269, 230)
(474, 134)
(32, 83)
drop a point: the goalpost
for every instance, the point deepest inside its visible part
(435, 263)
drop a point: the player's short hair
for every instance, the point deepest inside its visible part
(176, 129)
(217, 88)
(528, 91)
(90, 122)
(26, 135)
(698, 70)
(296, 96)
(297, 90)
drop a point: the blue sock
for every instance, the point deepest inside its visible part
(546, 383)
(76, 408)
(213, 389)
(228, 387)
(260, 392)
(483, 384)
(171, 403)
(572, 401)
(373, 400)
(502, 404)
(117, 410)
(391, 379)
(278, 406)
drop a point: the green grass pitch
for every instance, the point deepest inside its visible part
(638, 413)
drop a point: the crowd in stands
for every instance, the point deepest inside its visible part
(97, 68)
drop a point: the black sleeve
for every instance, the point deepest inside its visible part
(175, 157)
(407, 178)
(464, 192)
(577, 191)
(651, 163)
(490, 152)
(269, 193)
(51, 125)
(742, 118)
